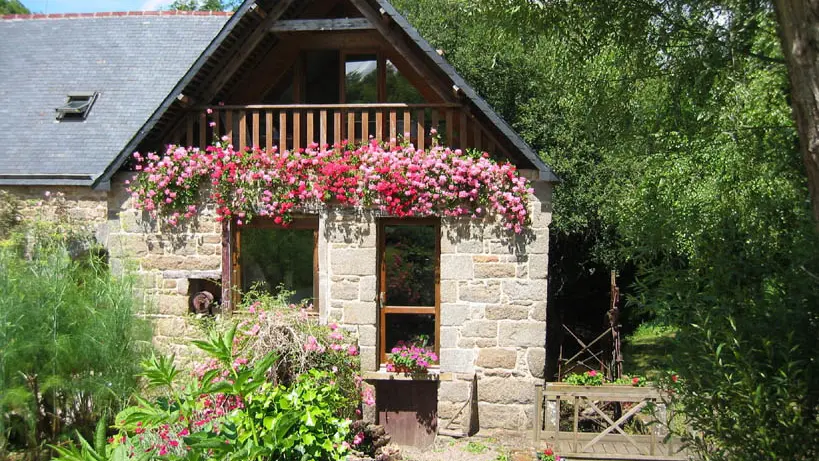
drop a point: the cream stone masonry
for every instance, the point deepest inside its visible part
(492, 283)
(493, 320)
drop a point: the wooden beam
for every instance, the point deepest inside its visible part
(246, 48)
(397, 42)
(319, 25)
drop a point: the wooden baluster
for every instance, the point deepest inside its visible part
(296, 129)
(406, 128)
(351, 126)
(310, 136)
(476, 133)
(189, 130)
(323, 128)
(379, 125)
(336, 127)
(282, 131)
(268, 130)
(420, 130)
(393, 125)
(365, 126)
(463, 131)
(574, 426)
(255, 129)
(242, 130)
(450, 137)
(203, 130)
(229, 125)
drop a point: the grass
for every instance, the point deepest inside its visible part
(475, 447)
(647, 351)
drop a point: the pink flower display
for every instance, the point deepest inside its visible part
(393, 178)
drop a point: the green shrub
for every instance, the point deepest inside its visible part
(229, 408)
(70, 338)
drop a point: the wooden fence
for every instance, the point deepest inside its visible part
(605, 422)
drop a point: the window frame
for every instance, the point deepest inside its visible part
(383, 309)
(305, 222)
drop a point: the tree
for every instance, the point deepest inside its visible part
(799, 33)
(13, 7)
(669, 123)
(205, 5)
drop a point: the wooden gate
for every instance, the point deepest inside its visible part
(605, 422)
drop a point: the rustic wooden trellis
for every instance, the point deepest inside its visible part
(599, 354)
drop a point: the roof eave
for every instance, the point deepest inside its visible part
(104, 178)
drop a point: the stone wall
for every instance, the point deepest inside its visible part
(347, 286)
(165, 260)
(72, 204)
(493, 320)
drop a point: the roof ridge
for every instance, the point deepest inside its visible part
(113, 14)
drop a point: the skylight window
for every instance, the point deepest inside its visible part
(76, 106)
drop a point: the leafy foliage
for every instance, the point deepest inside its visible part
(268, 389)
(71, 339)
(13, 7)
(205, 5)
(669, 124)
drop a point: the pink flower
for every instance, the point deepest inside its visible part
(592, 373)
(358, 439)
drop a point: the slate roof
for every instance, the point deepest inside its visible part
(133, 60)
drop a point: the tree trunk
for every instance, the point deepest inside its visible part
(799, 33)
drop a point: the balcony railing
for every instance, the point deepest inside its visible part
(297, 126)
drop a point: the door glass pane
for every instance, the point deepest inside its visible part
(409, 260)
(409, 328)
(361, 79)
(278, 258)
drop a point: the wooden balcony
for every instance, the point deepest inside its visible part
(297, 126)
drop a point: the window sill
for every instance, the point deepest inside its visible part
(431, 375)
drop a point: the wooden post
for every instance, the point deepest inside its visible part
(296, 129)
(538, 410)
(311, 138)
(576, 417)
(227, 269)
(255, 128)
(268, 130)
(322, 128)
(282, 131)
(420, 130)
(203, 129)
(336, 127)
(351, 126)
(229, 125)
(393, 125)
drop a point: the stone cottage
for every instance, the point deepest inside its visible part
(79, 94)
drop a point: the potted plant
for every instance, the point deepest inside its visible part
(411, 357)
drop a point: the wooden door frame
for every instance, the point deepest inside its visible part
(382, 280)
(232, 274)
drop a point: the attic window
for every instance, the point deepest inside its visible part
(76, 106)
